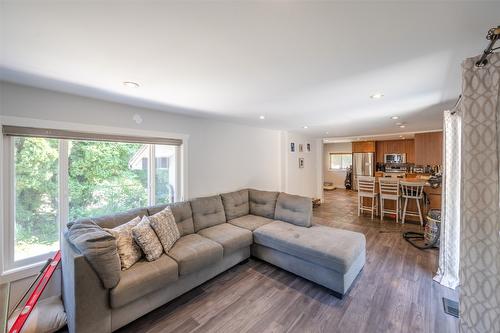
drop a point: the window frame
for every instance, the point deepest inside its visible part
(342, 168)
(11, 269)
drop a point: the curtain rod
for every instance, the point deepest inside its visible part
(493, 35)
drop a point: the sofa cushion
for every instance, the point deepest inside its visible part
(193, 252)
(143, 278)
(250, 222)
(99, 248)
(163, 223)
(231, 238)
(294, 209)
(207, 212)
(114, 220)
(333, 248)
(182, 214)
(235, 204)
(128, 250)
(147, 239)
(262, 203)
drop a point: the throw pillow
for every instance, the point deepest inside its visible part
(128, 250)
(146, 237)
(99, 248)
(163, 223)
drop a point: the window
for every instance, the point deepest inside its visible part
(50, 181)
(340, 161)
(36, 196)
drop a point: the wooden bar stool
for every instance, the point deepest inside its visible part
(415, 191)
(389, 190)
(367, 189)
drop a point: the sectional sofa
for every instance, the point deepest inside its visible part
(217, 233)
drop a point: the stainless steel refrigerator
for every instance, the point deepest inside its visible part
(363, 164)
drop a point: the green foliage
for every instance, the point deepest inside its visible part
(100, 182)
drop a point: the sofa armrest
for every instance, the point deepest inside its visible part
(85, 299)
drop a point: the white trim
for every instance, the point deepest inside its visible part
(152, 175)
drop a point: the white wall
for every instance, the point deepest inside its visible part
(304, 181)
(336, 177)
(221, 156)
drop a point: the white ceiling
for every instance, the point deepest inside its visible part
(296, 63)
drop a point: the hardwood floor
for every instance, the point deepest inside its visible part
(393, 293)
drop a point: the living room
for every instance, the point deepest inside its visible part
(173, 151)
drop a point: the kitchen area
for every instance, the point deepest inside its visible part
(416, 157)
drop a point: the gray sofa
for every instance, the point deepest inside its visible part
(217, 233)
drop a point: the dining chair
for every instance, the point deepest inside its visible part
(389, 190)
(367, 189)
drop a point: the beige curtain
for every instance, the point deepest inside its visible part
(480, 205)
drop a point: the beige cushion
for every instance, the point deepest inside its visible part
(332, 248)
(146, 237)
(194, 252)
(128, 250)
(163, 223)
(250, 222)
(231, 238)
(182, 213)
(143, 278)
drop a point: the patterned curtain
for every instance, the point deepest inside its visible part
(480, 211)
(449, 249)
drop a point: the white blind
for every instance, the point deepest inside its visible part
(75, 135)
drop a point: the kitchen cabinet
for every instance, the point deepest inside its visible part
(396, 146)
(363, 147)
(429, 148)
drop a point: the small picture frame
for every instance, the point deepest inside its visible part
(308, 147)
(301, 162)
(292, 147)
(301, 147)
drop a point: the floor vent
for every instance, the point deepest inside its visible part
(450, 307)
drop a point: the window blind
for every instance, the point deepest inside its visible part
(75, 135)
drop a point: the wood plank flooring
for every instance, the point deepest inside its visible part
(393, 293)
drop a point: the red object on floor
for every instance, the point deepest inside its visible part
(35, 295)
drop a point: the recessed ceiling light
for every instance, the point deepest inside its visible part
(377, 96)
(130, 84)
(402, 126)
(262, 117)
(327, 133)
(397, 124)
(394, 117)
(305, 127)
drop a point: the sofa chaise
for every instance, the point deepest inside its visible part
(217, 233)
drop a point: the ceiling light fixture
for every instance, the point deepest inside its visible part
(377, 96)
(262, 117)
(394, 117)
(130, 84)
(305, 127)
(402, 126)
(397, 124)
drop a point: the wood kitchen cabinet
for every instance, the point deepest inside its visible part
(363, 147)
(429, 148)
(396, 146)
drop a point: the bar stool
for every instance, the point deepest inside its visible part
(389, 190)
(367, 189)
(415, 191)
